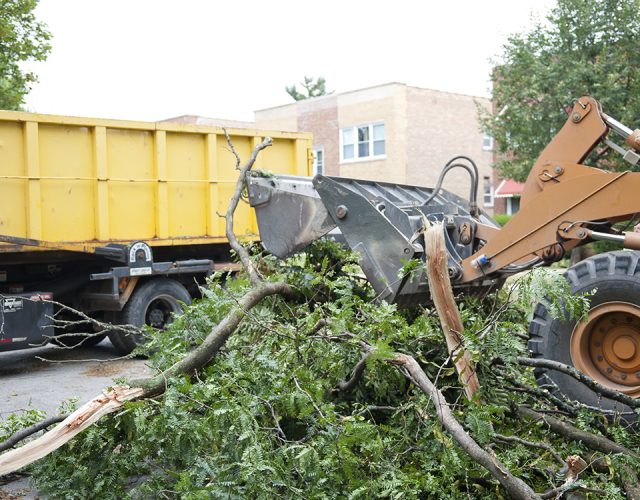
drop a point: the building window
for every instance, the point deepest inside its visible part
(513, 205)
(362, 142)
(487, 142)
(487, 199)
(318, 161)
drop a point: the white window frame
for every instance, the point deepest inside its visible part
(315, 161)
(509, 205)
(355, 128)
(490, 194)
(487, 138)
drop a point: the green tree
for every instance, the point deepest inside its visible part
(314, 87)
(22, 39)
(585, 47)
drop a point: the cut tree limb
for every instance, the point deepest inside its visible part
(514, 486)
(29, 431)
(214, 341)
(442, 295)
(74, 424)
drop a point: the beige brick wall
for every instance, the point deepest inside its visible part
(379, 104)
(281, 118)
(320, 116)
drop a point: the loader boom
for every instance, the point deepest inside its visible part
(564, 202)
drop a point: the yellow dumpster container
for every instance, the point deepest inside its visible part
(91, 181)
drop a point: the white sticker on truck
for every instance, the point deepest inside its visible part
(12, 304)
(140, 271)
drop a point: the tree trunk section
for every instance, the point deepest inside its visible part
(442, 296)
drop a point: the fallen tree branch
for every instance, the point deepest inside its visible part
(29, 431)
(581, 377)
(240, 250)
(79, 420)
(349, 384)
(543, 394)
(220, 333)
(531, 444)
(565, 488)
(513, 485)
(442, 295)
(599, 443)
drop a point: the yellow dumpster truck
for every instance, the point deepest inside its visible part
(117, 219)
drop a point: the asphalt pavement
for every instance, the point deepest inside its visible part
(45, 377)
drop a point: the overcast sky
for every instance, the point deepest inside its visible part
(154, 59)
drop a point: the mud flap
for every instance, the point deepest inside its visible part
(25, 320)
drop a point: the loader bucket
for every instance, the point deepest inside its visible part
(382, 222)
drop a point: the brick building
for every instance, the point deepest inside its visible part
(393, 133)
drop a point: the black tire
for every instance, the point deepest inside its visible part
(153, 303)
(616, 278)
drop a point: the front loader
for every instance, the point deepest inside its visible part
(564, 204)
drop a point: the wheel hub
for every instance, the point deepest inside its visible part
(624, 347)
(156, 318)
(607, 346)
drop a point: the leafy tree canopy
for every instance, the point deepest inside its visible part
(22, 38)
(267, 417)
(585, 47)
(312, 87)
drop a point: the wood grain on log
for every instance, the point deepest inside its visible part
(442, 295)
(74, 424)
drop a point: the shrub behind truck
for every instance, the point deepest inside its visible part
(117, 219)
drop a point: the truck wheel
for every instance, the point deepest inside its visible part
(607, 346)
(152, 303)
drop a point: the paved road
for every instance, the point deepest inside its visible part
(28, 382)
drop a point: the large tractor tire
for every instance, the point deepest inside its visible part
(153, 303)
(607, 346)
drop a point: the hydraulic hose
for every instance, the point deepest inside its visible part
(473, 174)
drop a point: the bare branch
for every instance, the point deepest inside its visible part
(241, 251)
(358, 371)
(531, 444)
(543, 394)
(581, 377)
(599, 443)
(84, 360)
